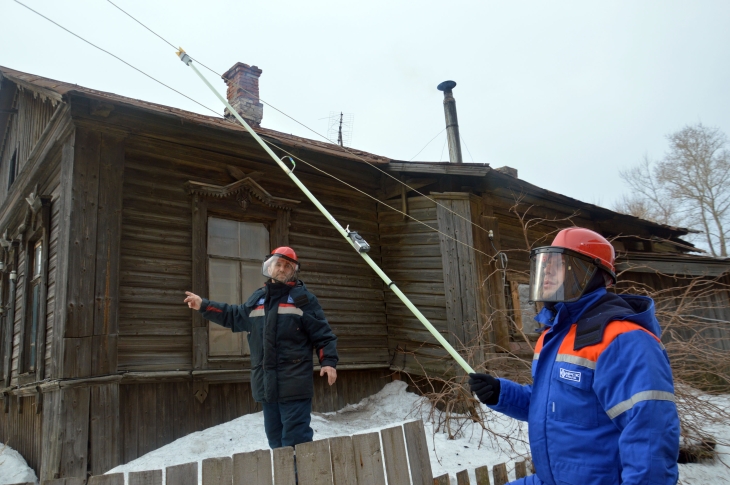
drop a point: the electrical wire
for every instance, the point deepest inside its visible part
(268, 142)
(315, 131)
(159, 36)
(385, 204)
(116, 57)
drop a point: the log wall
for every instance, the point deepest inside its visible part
(412, 259)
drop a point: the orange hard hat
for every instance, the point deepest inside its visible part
(286, 252)
(588, 243)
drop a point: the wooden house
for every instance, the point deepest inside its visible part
(110, 208)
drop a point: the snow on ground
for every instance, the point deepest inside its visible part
(470, 448)
(718, 471)
(13, 468)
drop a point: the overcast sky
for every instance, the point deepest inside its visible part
(567, 93)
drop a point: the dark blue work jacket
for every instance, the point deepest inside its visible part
(281, 345)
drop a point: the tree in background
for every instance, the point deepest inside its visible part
(689, 187)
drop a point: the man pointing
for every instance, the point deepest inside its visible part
(285, 323)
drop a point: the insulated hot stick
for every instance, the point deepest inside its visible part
(354, 242)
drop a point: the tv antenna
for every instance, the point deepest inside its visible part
(339, 127)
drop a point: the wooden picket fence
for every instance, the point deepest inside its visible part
(499, 473)
(342, 460)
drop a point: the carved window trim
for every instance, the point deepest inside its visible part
(35, 228)
(244, 200)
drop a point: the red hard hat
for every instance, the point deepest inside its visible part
(588, 243)
(286, 252)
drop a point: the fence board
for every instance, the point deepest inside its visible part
(218, 471)
(418, 453)
(520, 469)
(500, 474)
(343, 461)
(482, 475)
(368, 459)
(149, 477)
(113, 479)
(185, 474)
(394, 451)
(442, 480)
(313, 463)
(252, 468)
(462, 478)
(284, 466)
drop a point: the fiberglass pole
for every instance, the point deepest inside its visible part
(290, 172)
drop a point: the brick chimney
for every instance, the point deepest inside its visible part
(243, 93)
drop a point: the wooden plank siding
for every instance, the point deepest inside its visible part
(411, 257)
(20, 428)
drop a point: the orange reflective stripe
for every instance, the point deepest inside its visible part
(592, 352)
(538, 345)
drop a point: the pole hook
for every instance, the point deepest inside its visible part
(294, 164)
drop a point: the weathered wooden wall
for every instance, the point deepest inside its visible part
(20, 428)
(23, 131)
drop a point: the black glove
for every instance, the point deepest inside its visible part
(485, 387)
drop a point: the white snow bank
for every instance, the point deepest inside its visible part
(13, 468)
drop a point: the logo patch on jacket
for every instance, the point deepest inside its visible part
(290, 300)
(570, 375)
(261, 301)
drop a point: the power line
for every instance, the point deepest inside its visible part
(116, 57)
(396, 179)
(270, 143)
(379, 201)
(159, 36)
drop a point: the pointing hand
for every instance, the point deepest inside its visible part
(193, 300)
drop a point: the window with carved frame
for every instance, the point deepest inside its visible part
(234, 227)
(34, 234)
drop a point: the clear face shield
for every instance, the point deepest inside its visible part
(280, 268)
(559, 274)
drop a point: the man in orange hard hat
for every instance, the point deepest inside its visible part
(601, 406)
(285, 323)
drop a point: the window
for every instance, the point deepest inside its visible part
(12, 169)
(235, 252)
(34, 309)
